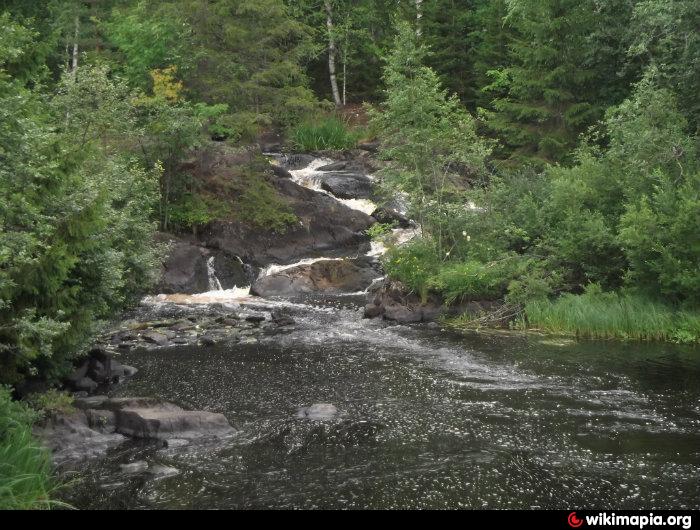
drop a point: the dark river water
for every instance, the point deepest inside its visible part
(427, 419)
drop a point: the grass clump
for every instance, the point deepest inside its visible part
(327, 133)
(25, 467)
(599, 315)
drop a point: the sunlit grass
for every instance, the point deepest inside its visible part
(326, 133)
(612, 316)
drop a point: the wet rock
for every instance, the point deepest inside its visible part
(348, 185)
(391, 216)
(165, 420)
(255, 319)
(281, 172)
(296, 161)
(85, 384)
(158, 471)
(335, 166)
(181, 340)
(326, 276)
(70, 439)
(174, 443)
(101, 420)
(373, 311)
(207, 340)
(134, 467)
(318, 412)
(91, 402)
(154, 337)
(372, 147)
(281, 319)
(184, 269)
(395, 302)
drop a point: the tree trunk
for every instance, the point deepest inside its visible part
(74, 62)
(331, 54)
(419, 17)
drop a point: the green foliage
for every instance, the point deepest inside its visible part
(25, 467)
(75, 243)
(378, 230)
(327, 133)
(600, 315)
(51, 402)
(261, 206)
(472, 280)
(413, 264)
(194, 210)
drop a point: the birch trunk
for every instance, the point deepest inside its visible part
(74, 61)
(419, 17)
(331, 54)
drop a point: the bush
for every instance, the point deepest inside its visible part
(261, 206)
(25, 467)
(327, 133)
(472, 280)
(51, 402)
(413, 264)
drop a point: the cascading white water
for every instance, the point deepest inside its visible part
(214, 283)
(310, 177)
(274, 269)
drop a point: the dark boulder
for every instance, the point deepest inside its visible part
(347, 185)
(390, 216)
(184, 270)
(325, 276)
(335, 166)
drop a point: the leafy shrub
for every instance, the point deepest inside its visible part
(260, 205)
(326, 133)
(378, 230)
(413, 264)
(51, 402)
(194, 210)
(472, 280)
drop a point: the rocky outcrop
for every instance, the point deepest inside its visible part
(185, 269)
(97, 369)
(325, 227)
(395, 302)
(326, 276)
(101, 423)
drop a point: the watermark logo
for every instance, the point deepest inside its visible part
(574, 522)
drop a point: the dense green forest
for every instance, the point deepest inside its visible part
(548, 148)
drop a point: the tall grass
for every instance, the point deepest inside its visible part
(26, 481)
(326, 133)
(597, 315)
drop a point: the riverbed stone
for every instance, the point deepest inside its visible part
(154, 337)
(70, 439)
(166, 420)
(318, 412)
(159, 471)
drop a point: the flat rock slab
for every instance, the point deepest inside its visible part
(165, 421)
(318, 412)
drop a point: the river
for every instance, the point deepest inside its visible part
(426, 419)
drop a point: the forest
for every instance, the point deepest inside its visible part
(548, 149)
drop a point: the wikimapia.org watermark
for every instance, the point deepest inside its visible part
(638, 521)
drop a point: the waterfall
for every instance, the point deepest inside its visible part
(214, 283)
